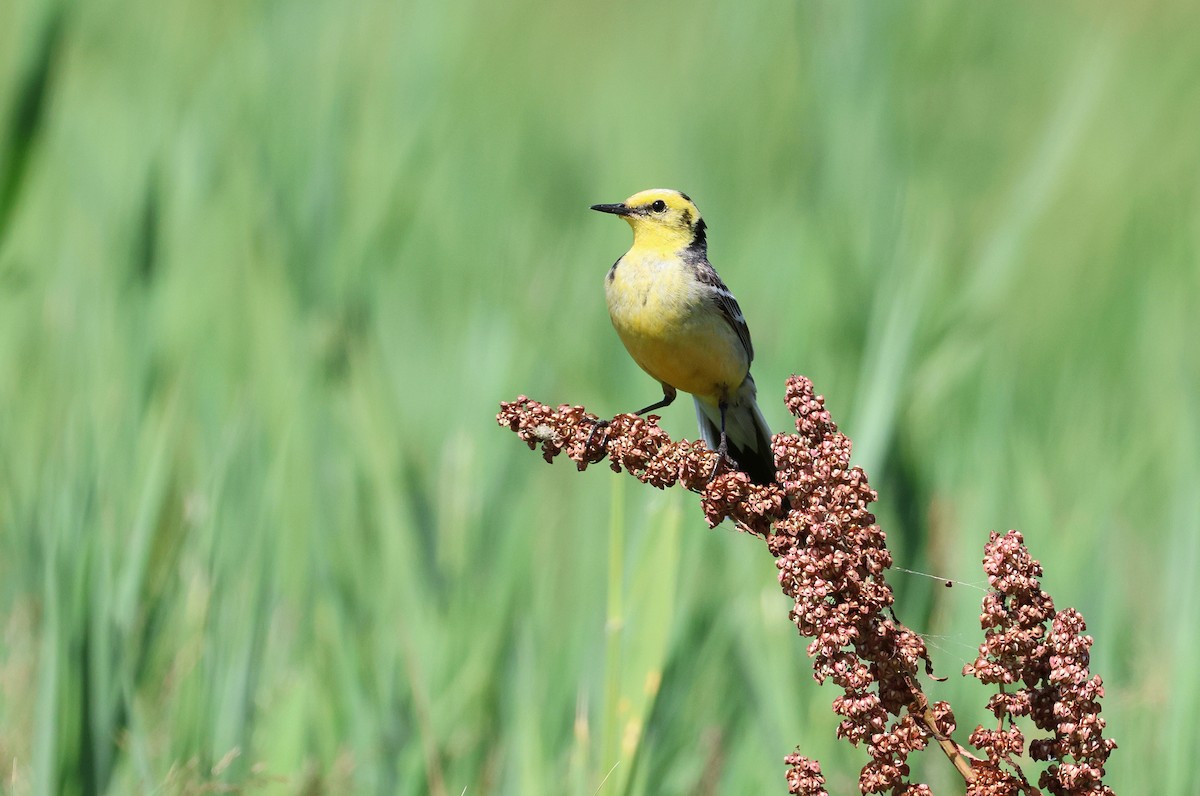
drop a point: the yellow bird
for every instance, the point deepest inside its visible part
(682, 326)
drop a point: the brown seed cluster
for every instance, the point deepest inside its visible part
(804, 776)
(638, 446)
(1057, 692)
(832, 559)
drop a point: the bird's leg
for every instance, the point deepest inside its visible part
(723, 447)
(668, 398)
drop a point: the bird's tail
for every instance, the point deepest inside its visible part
(746, 432)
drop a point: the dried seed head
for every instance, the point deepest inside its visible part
(832, 559)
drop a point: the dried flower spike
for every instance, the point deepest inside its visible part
(832, 560)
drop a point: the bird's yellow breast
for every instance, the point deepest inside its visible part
(671, 326)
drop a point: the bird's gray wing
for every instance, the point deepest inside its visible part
(726, 303)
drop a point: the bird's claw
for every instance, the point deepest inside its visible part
(597, 424)
(722, 459)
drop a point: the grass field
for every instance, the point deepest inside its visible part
(266, 270)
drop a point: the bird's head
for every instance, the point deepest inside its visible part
(662, 220)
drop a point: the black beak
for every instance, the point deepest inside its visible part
(618, 209)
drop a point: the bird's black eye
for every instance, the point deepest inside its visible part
(658, 206)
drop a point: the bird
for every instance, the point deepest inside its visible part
(683, 327)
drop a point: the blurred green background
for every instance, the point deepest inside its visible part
(267, 268)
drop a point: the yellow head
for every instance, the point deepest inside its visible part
(663, 220)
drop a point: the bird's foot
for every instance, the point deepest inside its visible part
(597, 424)
(722, 459)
